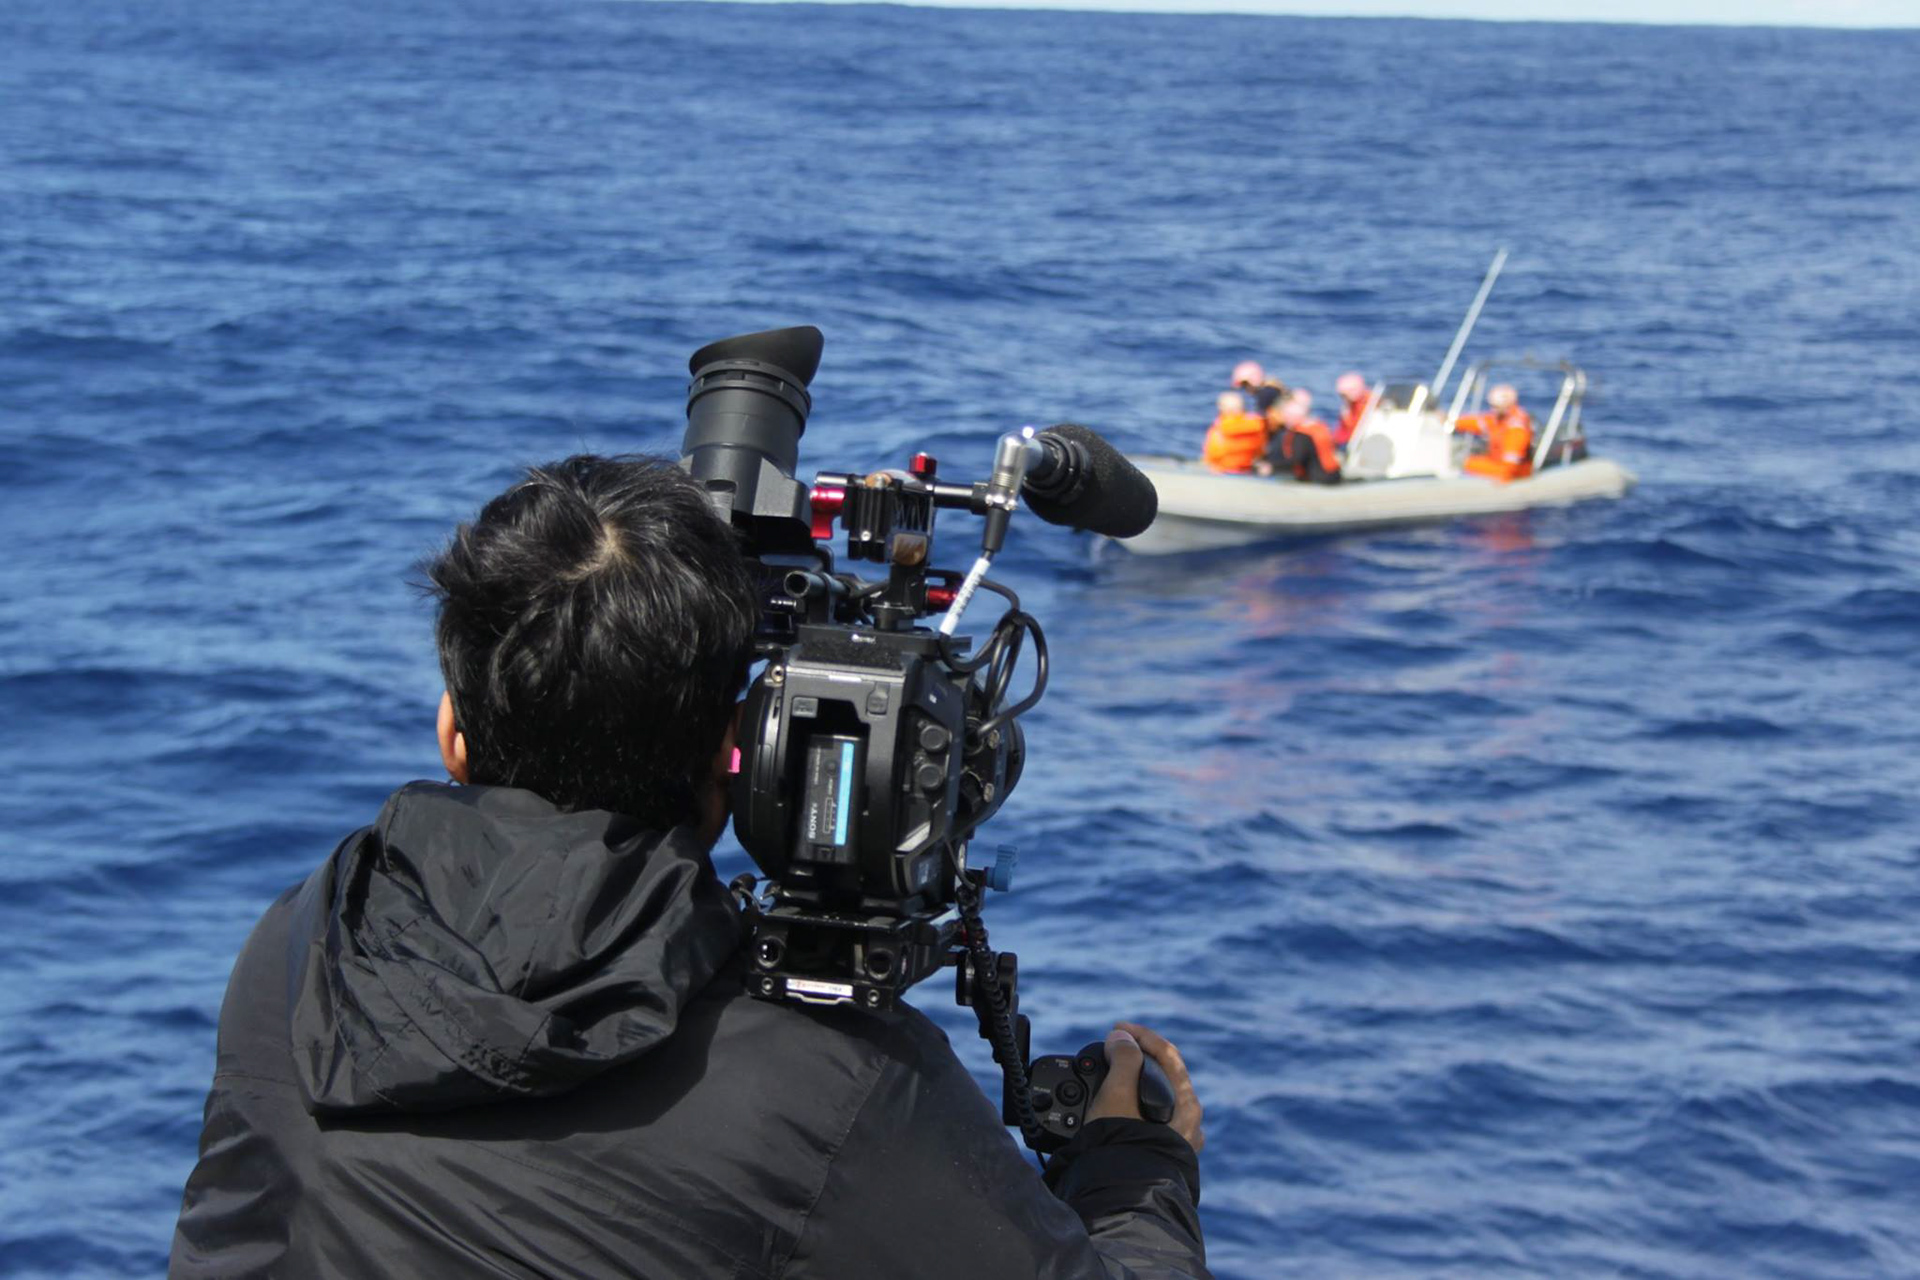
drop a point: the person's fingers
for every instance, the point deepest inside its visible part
(1119, 1094)
(1187, 1111)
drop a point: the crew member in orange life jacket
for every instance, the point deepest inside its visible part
(1508, 430)
(1236, 438)
(1354, 394)
(1302, 445)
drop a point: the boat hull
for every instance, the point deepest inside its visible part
(1201, 510)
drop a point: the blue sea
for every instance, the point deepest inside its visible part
(1537, 896)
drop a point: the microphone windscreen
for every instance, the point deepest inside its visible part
(1112, 496)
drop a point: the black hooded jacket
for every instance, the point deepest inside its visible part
(490, 1038)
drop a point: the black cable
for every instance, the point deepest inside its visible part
(967, 666)
(996, 1019)
(999, 656)
(1000, 589)
(961, 664)
(858, 599)
(1006, 656)
(1030, 625)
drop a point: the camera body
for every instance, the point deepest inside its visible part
(871, 746)
(862, 771)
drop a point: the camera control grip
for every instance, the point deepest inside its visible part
(1064, 1088)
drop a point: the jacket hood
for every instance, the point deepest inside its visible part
(477, 944)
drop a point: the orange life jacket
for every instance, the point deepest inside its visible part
(1350, 419)
(1234, 442)
(1322, 437)
(1485, 424)
(1509, 446)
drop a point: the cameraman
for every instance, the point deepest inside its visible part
(502, 1030)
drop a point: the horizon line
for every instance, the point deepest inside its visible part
(1267, 9)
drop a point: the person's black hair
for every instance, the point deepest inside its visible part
(594, 630)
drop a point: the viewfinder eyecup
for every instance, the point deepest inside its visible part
(747, 407)
(796, 350)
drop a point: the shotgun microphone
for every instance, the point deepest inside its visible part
(1078, 479)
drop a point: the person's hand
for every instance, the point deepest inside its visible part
(1119, 1095)
(1263, 468)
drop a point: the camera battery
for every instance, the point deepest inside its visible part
(830, 809)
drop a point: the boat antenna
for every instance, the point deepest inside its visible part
(1460, 338)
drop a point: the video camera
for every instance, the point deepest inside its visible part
(872, 746)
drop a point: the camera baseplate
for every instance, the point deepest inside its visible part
(802, 953)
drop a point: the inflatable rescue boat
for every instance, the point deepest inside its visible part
(1404, 465)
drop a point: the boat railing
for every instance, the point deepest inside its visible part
(1564, 425)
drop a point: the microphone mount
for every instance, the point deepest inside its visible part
(1057, 468)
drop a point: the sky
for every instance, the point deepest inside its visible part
(1797, 13)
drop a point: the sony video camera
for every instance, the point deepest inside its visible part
(877, 738)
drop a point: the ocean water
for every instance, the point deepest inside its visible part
(1535, 896)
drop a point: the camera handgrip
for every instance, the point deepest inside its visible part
(1156, 1091)
(1064, 1089)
